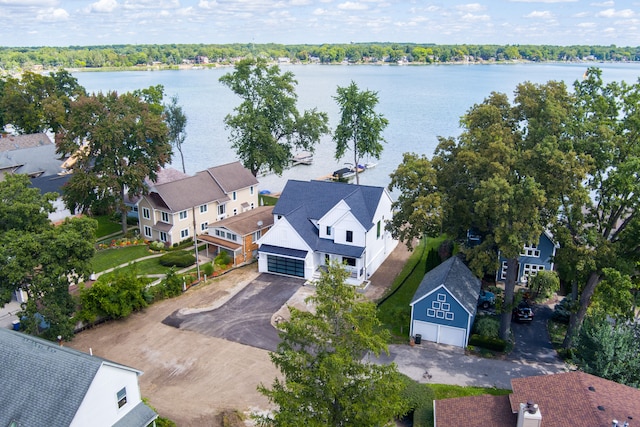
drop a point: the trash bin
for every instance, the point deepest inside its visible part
(418, 338)
(16, 325)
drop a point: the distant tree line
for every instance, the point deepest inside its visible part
(118, 56)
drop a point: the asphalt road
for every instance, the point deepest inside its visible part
(245, 318)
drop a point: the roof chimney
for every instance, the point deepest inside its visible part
(529, 415)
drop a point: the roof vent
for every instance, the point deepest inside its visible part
(600, 408)
(529, 415)
(592, 388)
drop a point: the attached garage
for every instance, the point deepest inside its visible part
(444, 306)
(285, 261)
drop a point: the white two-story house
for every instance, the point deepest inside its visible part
(316, 222)
(177, 210)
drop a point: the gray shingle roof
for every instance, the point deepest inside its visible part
(41, 160)
(458, 280)
(303, 202)
(16, 142)
(205, 186)
(43, 384)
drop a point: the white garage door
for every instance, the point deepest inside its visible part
(439, 333)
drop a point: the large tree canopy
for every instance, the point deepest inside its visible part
(360, 127)
(325, 382)
(267, 126)
(37, 103)
(118, 141)
(40, 258)
(176, 122)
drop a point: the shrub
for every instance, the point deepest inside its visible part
(487, 326)
(495, 344)
(156, 245)
(415, 394)
(423, 416)
(179, 259)
(223, 259)
(207, 269)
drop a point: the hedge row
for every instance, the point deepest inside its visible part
(489, 343)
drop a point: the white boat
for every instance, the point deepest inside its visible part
(370, 165)
(302, 158)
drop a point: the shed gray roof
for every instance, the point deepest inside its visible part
(43, 383)
(303, 202)
(458, 280)
(211, 185)
(33, 161)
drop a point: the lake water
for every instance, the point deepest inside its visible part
(420, 102)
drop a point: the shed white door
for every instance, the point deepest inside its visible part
(439, 333)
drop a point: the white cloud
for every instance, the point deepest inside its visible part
(204, 4)
(319, 11)
(52, 15)
(581, 15)
(469, 17)
(612, 13)
(471, 7)
(352, 6)
(540, 14)
(587, 25)
(609, 3)
(300, 2)
(103, 6)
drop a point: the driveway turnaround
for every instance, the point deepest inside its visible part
(245, 318)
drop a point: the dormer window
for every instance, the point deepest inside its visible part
(328, 230)
(531, 251)
(349, 236)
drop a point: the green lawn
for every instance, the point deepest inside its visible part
(446, 391)
(147, 266)
(109, 258)
(395, 312)
(106, 226)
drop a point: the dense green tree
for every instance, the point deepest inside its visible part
(40, 258)
(544, 284)
(37, 103)
(609, 351)
(118, 141)
(417, 207)
(360, 127)
(602, 230)
(176, 122)
(267, 126)
(494, 179)
(324, 380)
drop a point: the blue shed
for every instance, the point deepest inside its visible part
(444, 306)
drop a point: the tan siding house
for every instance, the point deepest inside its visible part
(177, 210)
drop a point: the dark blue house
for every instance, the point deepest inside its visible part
(533, 258)
(444, 306)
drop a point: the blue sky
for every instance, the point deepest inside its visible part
(99, 22)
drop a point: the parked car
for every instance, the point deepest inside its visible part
(486, 299)
(522, 313)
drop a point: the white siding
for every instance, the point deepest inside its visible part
(100, 404)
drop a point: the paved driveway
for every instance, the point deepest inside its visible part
(245, 318)
(532, 342)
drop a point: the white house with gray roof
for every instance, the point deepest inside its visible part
(44, 384)
(170, 210)
(316, 222)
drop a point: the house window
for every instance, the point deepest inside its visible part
(503, 271)
(327, 259)
(203, 208)
(257, 235)
(183, 215)
(251, 190)
(163, 236)
(222, 209)
(531, 270)
(349, 236)
(351, 262)
(328, 230)
(122, 397)
(530, 251)
(204, 226)
(184, 233)
(164, 216)
(146, 214)
(378, 230)
(235, 196)
(147, 231)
